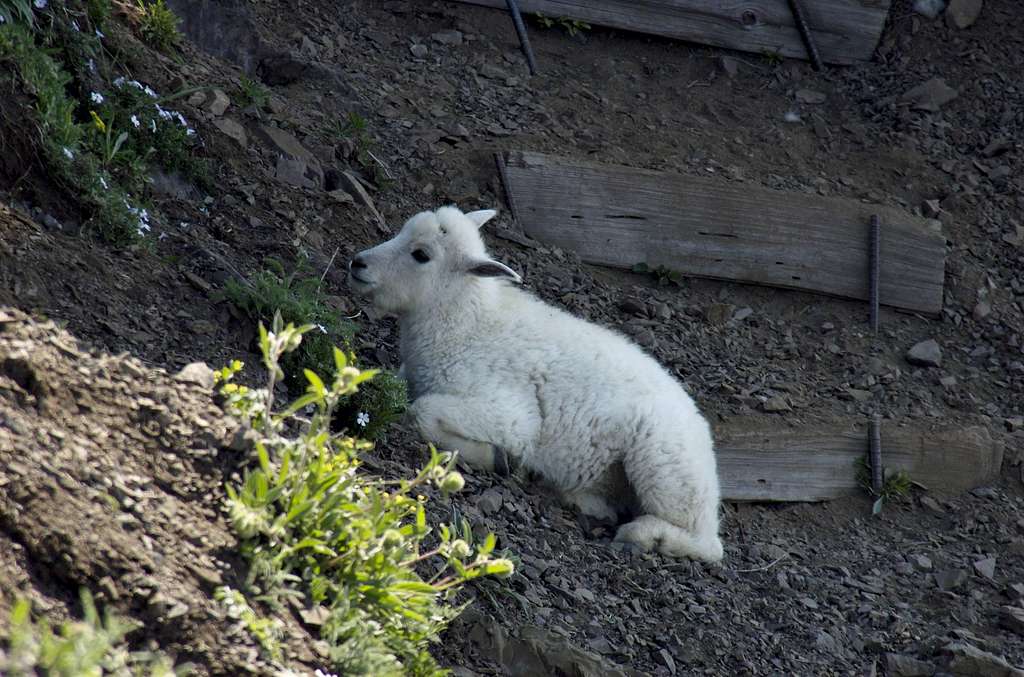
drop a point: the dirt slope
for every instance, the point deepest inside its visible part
(805, 589)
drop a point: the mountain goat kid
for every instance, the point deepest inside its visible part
(494, 371)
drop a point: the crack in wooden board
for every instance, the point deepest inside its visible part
(710, 227)
(845, 31)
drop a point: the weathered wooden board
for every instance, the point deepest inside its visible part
(845, 31)
(709, 227)
(820, 462)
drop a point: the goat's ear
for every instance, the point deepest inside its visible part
(481, 217)
(490, 268)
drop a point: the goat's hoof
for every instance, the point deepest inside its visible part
(502, 462)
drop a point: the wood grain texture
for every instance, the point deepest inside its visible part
(845, 31)
(819, 463)
(709, 227)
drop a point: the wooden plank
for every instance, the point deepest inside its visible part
(710, 227)
(761, 463)
(845, 31)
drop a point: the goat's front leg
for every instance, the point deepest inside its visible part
(470, 427)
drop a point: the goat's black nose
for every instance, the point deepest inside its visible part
(357, 263)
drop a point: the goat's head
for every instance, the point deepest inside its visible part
(434, 259)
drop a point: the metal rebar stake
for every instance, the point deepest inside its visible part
(499, 159)
(875, 454)
(524, 39)
(874, 263)
(805, 33)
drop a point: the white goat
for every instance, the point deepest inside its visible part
(494, 371)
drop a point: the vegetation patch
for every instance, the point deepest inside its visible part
(97, 139)
(355, 550)
(92, 646)
(299, 298)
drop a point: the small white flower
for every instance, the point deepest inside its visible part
(91, 65)
(103, 182)
(321, 673)
(40, 4)
(183, 225)
(96, 97)
(190, 132)
(119, 82)
(135, 121)
(99, 34)
(162, 236)
(3, 19)
(68, 154)
(149, 91)
(363, 419)
(181, 119)
(321, 328)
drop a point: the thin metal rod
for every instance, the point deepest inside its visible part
(874, 261)
(875, 454)
(805, 33)
(499, 159)
(524, 39)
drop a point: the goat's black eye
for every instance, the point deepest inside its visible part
(421, 256)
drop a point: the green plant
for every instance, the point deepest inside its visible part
(252, 93)
(93, 646)
(895, 485)
(314, 527)
(570, 26)
(772, 56)
(298, 297)
(158, 25)
(16, 11)
(663, 275)
(355, 128)
(375, 406)
(266, 631)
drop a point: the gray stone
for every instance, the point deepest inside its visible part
(900, 665)
(1012, 618)
(198, 373)
(809, 96)
(961, 14)
(929, 8)
(982, 310)
(929, 96)
(217, 102)
(450, 37)
(728, 65)
(490, 501)
(777, 403)
(986, 567)
(921, 562)
(233, 130)
(295, 172)
(418, 50)
(950, 579)
(925, 354)
(970, 660)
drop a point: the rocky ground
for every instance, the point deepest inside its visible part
(933, 585)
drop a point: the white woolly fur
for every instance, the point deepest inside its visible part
(492, 369)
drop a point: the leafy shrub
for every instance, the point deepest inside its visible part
(16, 11)
(252, 93)
(664, 276)
(158, 25)
(298, 298)
(313, 526)
(93, 646)
(103, 158)
(354, 128)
